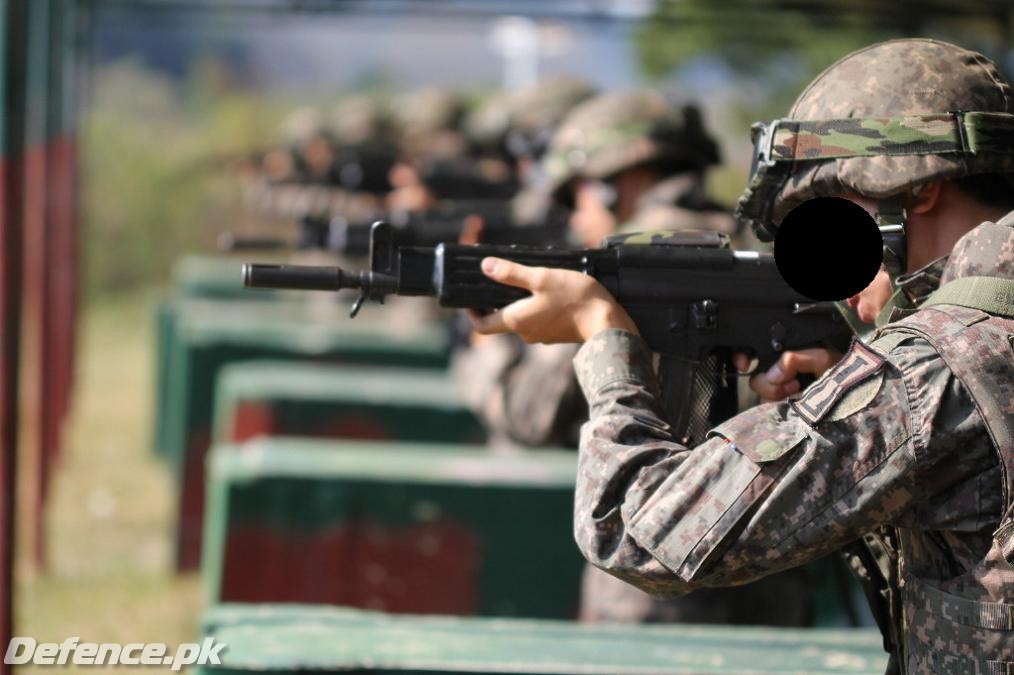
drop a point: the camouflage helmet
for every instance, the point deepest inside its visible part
(521, 122)
(359, 118)
(427, 110)
(301, 126)
(488, 123)
(539, 109)
(878, 123)
(428, 120)
(620, 130)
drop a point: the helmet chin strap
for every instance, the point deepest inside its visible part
(890, 219)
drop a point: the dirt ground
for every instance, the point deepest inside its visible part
(110, 518)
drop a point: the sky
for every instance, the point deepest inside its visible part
(307, 50)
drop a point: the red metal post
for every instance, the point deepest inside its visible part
(12, 62)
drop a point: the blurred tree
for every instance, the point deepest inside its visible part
(751, 36)
(156, 155)
(771, 48)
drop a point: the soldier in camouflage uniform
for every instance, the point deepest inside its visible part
(906, 445)
(628, 161)
(652, 157)
(634, 161)
(518, 124)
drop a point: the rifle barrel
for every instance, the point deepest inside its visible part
(299, 277)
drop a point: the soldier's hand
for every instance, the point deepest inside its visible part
(781, 380)
(565, 306)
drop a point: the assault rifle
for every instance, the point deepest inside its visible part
(337, 235)
(694, 300)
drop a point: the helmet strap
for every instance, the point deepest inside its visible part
(890, 218)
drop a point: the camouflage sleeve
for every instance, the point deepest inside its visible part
(527, 393)
(771, 488)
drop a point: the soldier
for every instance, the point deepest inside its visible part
(517, 125)
(650, 168)
(907, 443)
(365, 151)
(427, 121)
(634, 161)
(626, 161)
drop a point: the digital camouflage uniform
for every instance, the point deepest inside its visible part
(911, 434)
(528, 394)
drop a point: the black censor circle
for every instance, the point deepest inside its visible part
(828, 248)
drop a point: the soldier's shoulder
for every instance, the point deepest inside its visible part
(906, 352)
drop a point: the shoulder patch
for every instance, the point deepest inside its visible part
(857, 398)
(856, 366)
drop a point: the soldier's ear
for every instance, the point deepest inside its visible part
(925, 199)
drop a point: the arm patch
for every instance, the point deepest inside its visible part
(819, 398)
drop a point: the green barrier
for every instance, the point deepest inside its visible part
(207, 335)
(164, 317)
(193, 276)
(281, 398)
(286, 639)
(420, 528)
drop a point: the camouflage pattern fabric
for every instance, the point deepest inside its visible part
(620, 130)
(966, 623)
(862, 127)
(782, 599)
(953, 133)
(991, 253)
(521, 122)
(891, 436)
(524, 394)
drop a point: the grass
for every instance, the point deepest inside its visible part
(110, 516)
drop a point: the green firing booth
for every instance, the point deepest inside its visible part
(282, 398)
(276, 639)
(193, 277)
(401, 527)
(206, 335)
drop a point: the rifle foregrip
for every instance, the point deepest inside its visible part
(460, 282)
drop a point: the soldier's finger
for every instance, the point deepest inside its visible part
(472, 230)
(742, 362)
(489, 324)
(510, 273)
(808, 361)
(772, 391)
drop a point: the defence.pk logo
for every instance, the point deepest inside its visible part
(22, 650)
